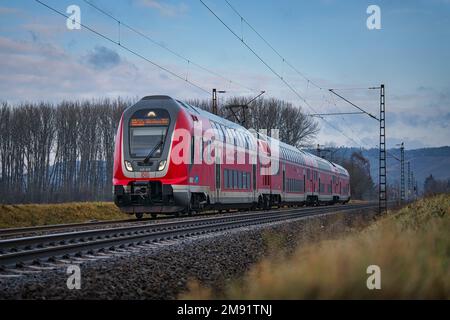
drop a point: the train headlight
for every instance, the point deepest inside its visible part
(162, 165)
(128, 165)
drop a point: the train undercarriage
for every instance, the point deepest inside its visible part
(153, 197)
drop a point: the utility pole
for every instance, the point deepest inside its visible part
(243, 107)
(214, 99)
(408, 191)
(382, 179)
(382, 174)
(402, 173)
(382, 200)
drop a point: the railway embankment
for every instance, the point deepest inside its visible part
(408, 250)
(165, 269)
(27, 215)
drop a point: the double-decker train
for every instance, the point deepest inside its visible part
(171, 157)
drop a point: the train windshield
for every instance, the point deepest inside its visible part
(144, 140)
(148, 129)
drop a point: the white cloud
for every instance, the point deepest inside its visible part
(165, 9)
(36, 71)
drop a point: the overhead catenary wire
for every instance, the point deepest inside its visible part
(273, 48)
(125, 48)
(289, 64)
(274, 71)
(157, 43)
(353, 104)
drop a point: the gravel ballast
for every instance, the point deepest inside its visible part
(163, 271)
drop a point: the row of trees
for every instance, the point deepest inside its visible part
(64, 152)
(54, 153)
(434, 186)
(295, 127)
(361, 183)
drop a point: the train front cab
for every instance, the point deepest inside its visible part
(142, 180)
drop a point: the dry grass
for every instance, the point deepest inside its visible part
(25, 215)
(411, 246)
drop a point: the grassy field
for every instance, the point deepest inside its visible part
(24, 215)
(411, 246)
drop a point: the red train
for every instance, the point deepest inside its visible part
(171, 157)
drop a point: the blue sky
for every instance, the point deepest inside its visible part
(327, 40)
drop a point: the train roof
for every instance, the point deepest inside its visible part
(286, 150)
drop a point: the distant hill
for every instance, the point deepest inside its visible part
(423, 162)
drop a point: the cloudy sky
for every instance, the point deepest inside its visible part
(327, 41)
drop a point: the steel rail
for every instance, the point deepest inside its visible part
(25, 250)
(10, 232)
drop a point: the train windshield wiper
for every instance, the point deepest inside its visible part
(156, 147)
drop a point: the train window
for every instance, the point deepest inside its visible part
(308, 174)
(246, 142)
(217, 134)
(227, 134)
(225, 178)
(230, 138)
(230, 179)
(238, 138)
(246, 180)
(148, 129)
(239, 180)
(235, 179)
(241, 134)
(220, 131)
(215, 131)
(233, 136)
(213, 128)
(144, 139)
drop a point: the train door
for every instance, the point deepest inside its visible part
(304, 186)
(254, 182)
(319, 185)
(284, 183)
(217, 174)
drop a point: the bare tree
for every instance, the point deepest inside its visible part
(295, 127)
(64, 152)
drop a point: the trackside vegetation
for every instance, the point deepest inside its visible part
(411, 246)
(26, 215)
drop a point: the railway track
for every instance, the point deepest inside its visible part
(43, 248)
(36, 230)
(11, 232)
